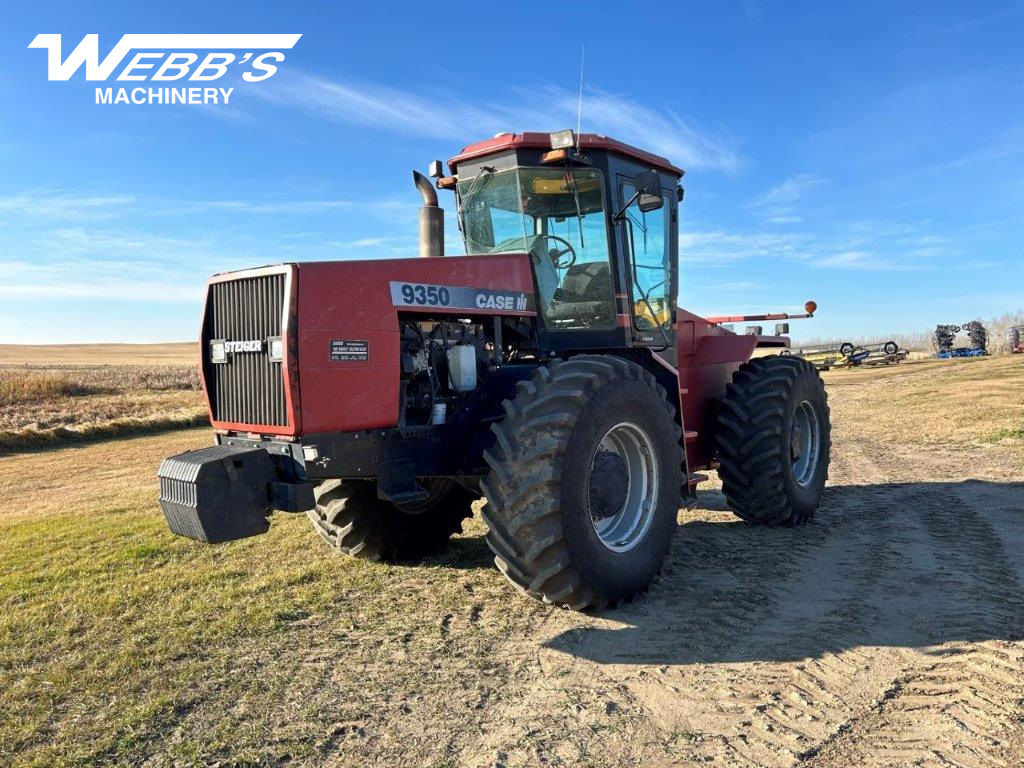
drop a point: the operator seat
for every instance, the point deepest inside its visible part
(585, 293)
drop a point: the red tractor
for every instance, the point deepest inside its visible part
(549, 372)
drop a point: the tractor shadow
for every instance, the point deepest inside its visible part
(896, 564)
(463, 553)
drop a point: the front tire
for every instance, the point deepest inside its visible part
(351, 519)
(774, 440)
(585, 482)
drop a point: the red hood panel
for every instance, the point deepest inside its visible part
(345, 307)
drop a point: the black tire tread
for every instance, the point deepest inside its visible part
(524, 486)
(351, 519)
(748, 440)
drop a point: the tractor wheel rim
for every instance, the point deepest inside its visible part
(805, 443)
(627, 526)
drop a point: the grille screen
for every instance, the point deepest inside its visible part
(249, 387)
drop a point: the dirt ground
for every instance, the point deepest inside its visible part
(887, 632)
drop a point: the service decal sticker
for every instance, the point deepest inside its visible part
(426, 295)
(345, 350)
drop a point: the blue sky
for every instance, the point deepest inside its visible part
(870, 156)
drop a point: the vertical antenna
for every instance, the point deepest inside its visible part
(579, 107)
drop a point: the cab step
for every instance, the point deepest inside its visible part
(695, 477)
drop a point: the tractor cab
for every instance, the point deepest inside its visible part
(599, 221)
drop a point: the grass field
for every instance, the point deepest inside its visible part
(945, 402)
(861, 639)
(113, 630)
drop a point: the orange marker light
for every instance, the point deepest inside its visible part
(810, 307)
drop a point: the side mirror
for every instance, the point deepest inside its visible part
(648, 187)
(647, 195)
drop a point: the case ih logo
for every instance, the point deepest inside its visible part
(164, 58)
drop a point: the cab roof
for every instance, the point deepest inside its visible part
(537, 140)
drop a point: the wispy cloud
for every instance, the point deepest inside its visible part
(718, 246)
(79, 240)
(254, 206)
(741, 285)
(65, 205)
(778, 205)
(58, 205)
(861, 245)
(87, 279)
(867, 260)
(751, 9)
(445, 114)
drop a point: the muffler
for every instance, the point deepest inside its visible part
(431, 219)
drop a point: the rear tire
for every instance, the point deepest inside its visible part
(565, 525)
(774, 440)
(351, 519)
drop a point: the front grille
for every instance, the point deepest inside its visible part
(248, 388)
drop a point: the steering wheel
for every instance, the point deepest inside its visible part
(556, 255)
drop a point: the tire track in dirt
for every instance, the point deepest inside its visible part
(885, 633)
(961, 703)
(818, 673)
(932, 573)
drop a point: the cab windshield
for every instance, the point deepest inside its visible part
(557, 216)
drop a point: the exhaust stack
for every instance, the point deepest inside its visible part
(431, 219)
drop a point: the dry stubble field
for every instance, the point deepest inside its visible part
(64, 393)
(888, 632)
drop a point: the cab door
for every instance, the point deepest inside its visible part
(649, 242)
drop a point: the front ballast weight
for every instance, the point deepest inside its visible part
(226, 492)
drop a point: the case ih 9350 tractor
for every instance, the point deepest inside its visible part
(549, 372)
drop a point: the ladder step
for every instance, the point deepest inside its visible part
(690, 435)
(696, 477)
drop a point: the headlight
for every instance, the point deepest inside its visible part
(276, 347)
(218, 351)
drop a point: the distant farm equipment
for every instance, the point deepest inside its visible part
(848, 354)
(945, 337)
(1015, 339)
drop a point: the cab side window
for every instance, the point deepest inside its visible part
(647, 246)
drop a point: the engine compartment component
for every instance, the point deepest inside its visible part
(444, 360)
